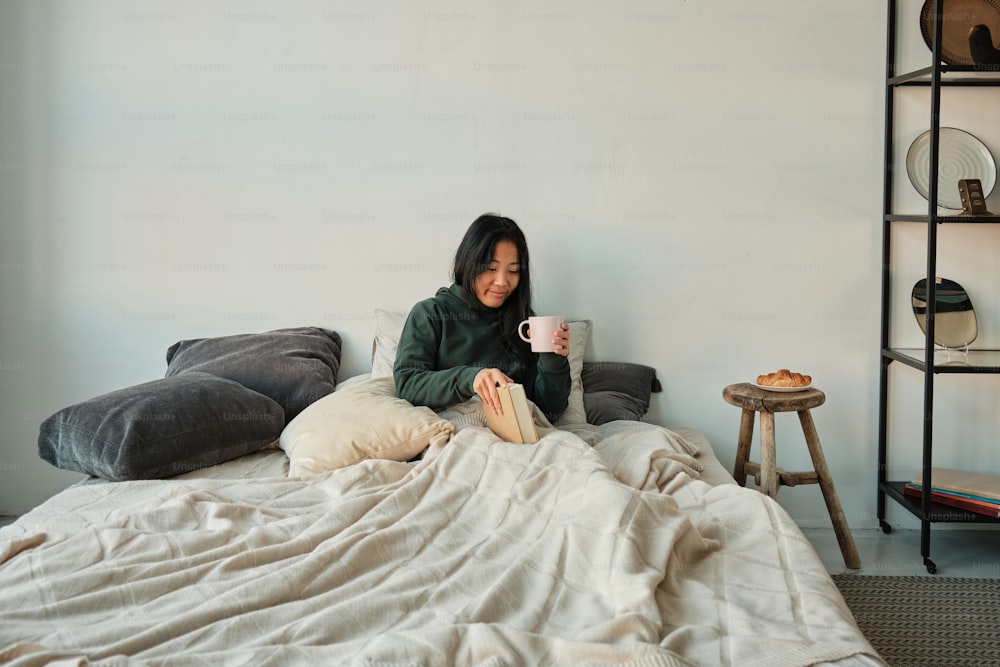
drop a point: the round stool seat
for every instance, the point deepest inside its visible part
(749, 397)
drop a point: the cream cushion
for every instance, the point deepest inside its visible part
(365, 421)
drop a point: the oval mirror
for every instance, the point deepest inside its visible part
(955, 323)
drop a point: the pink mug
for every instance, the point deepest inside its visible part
(542, 330)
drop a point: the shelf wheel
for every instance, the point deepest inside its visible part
(931, 567)
(884, 525)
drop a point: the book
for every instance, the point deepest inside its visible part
(516, 423)
(991, 509)
(971, 484)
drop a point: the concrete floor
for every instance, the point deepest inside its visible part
(957, 553)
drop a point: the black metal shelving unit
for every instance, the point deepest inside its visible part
(927, 360)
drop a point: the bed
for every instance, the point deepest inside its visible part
(619, 543)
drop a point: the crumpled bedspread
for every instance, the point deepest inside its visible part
(595, 546)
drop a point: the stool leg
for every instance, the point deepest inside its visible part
(743, 446)
(768, 459)
(844, 537)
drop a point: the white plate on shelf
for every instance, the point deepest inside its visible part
(782, 389)
(960, 155)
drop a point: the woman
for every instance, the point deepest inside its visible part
(464, 340)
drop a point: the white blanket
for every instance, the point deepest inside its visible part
(602, 550)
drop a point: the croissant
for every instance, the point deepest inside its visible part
(784, 378)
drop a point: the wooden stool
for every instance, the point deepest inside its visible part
(768, 476)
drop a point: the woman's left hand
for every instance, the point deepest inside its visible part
(561, 340)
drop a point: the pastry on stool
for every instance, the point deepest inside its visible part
(784, 378)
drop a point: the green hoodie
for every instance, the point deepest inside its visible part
(449, 338)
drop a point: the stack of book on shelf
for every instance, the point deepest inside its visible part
(971, 491)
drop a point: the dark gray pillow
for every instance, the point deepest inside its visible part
(295, 367)
(632, 379)
(160, 428)
(617, 390)
(606, 406)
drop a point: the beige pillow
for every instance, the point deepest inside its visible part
(365, 421)
(576, 412)
(389, 327)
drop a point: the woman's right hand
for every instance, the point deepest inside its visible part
(485, 385)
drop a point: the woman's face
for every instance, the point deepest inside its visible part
(500, 278)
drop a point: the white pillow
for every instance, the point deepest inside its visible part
(576, 412)
(389, 327)
(365, 421)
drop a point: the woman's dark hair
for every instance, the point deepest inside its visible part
(474, 255)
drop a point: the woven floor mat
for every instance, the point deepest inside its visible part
(927, 620)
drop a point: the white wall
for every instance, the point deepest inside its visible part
(701, 179)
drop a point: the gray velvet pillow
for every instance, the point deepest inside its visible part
(633, 379)
(617, 390)
(606, 406)
(160, 428)
(294, 367)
